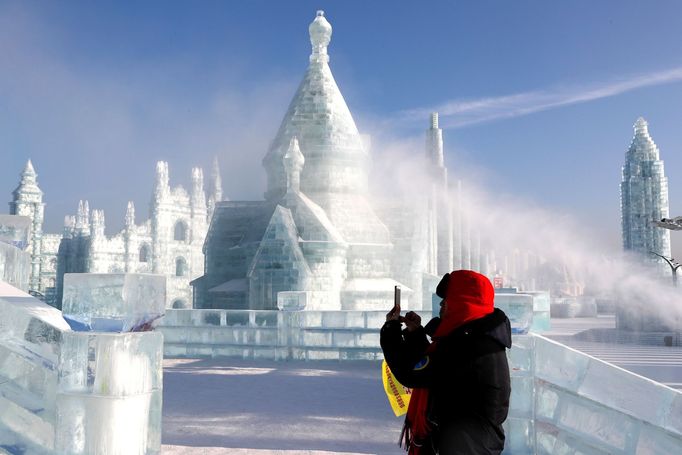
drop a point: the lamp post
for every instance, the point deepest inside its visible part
(674, 224)
(673, 266)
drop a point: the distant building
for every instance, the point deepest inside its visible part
(168, 243)
(644, 197)
(27, 200)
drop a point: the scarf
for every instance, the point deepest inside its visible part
(468, 296)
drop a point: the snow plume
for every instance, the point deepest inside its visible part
(554, 250)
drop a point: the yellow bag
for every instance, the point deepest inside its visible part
(398, 394)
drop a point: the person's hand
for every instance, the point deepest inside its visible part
(394, 314)
(412, 321)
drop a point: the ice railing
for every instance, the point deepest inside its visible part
(66, 392)
(294, 335)
(563, 401)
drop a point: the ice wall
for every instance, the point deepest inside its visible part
(282, 335)
(565, 401)
(65, 392)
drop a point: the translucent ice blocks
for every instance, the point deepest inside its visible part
(113, 302)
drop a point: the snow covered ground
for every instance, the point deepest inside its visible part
(229, 406)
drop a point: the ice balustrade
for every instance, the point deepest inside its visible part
(563, 401)
(68, 392)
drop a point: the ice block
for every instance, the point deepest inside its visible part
(113, 302)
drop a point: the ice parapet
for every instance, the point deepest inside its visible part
(519, 310)
(113, 302)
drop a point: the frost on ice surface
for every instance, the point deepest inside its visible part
(113, 302)
(14, 230)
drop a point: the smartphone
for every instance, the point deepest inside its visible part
(396, 298)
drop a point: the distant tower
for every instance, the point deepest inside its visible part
(130, 216)
(160, 216)
(440, 208)
(83, 219)
(27, 200)
(198, 197)
(215, 188)
(131, 253)
(97, 224)
(644, 197)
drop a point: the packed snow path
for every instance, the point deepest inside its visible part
(214, 406)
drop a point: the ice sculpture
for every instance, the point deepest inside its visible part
(66, 392)
(113, 302)
(519, 309)
(644, 196)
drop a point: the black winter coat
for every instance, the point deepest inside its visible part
(468, 380)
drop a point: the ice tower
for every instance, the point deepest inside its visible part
(644, 197)
(27, 200)
(441, 251)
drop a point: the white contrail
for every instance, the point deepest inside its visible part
(459, 113)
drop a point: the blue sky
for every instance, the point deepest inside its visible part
(96, 92)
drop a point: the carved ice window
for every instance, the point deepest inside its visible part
(144, 253)
(180, 231)
(180, 267)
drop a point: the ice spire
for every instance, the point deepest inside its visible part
(97, 223)
(216, 190)
(198, 196)
(434, 142)
(28, 184)
(293, 164)
(161, 185)
(130, 215)
(320, 35)
(643, 147)
(641, 126)
(29, 172)
(83, 218)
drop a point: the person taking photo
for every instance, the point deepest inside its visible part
(460, 379)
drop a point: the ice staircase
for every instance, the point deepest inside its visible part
(66, 392)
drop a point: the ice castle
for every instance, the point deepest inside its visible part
(169, 242)
(318, 232)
